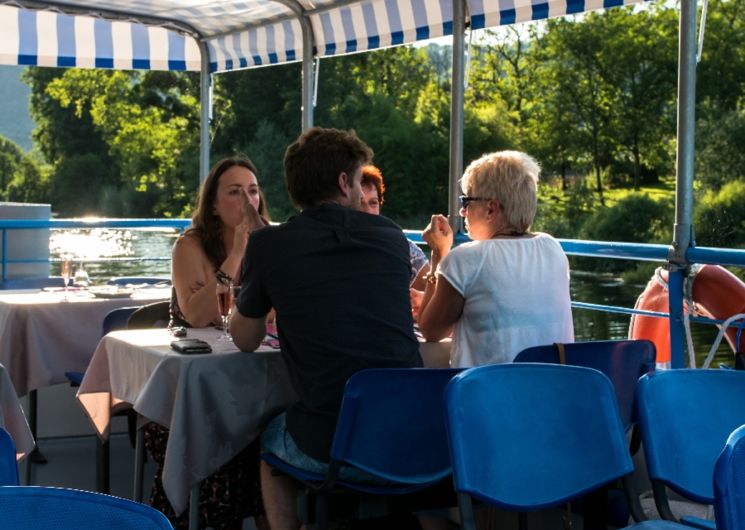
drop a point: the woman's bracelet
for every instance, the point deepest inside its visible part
(223, 278)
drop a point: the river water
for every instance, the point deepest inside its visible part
(106, 253)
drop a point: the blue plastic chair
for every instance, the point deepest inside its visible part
(23, 507)
(729, 483)
(115, 319)
(390, 425)
(525, 437)
(622, 361)
(8, 465)
(685, 418)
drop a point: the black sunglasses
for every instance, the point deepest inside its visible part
(465, 200)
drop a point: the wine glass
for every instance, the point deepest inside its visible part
(81, 278)
(65, 272)
(224, 304)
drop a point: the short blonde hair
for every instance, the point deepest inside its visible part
(511, 177)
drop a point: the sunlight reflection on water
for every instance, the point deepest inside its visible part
(130, 252)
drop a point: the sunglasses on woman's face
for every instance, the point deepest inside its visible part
(465, 200)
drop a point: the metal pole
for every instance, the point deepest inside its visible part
(456, 113)
(307, 74)
(306, 105)
(205, 100)
(683, 229)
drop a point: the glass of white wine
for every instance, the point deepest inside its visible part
(81, 278)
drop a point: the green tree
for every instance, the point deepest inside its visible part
(720, 157)
(21, 180)
(128, 139)
(640, 49)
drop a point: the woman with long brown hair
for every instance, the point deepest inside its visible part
(210, 253)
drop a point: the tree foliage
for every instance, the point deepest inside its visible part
(593, 98)
(21, 180)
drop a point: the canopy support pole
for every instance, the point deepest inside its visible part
(205, 101)
(307, 75)
(457, 90)
(683, 229)
(306, 105)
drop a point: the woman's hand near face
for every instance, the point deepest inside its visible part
(251, 221)
(439, 236)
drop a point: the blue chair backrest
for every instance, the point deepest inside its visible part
(391, 424)
(117, 319)
(23, 507)
(729, 483)
(139, 280)
(622, 361)
(8, 464)
(529, 436)
(685, 418)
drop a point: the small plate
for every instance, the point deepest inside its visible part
(107, 292)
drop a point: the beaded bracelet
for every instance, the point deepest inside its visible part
(223, 278)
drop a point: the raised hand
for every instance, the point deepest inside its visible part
(438, 235)
(251, 217)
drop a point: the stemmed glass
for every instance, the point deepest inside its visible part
(66, 272)
(224, 304)
(81, 278)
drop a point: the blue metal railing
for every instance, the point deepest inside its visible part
(61, 224)
(574, 247)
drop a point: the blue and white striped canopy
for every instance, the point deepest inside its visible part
(165, 34)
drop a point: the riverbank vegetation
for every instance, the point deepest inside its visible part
(593, 98)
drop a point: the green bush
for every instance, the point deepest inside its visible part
(633, 219)
(720, 217)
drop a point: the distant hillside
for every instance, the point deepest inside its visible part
(15, 122)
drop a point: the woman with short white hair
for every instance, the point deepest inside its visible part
(506, 290)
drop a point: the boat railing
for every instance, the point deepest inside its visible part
(7, 225)
(573, 247)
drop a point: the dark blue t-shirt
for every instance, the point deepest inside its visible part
(339, 282)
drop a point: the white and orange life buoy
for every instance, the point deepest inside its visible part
(716, 293)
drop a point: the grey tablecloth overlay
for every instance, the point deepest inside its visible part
(214, 404)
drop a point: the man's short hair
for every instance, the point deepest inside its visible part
(314, 161)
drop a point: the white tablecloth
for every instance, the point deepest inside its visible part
(42, 336)
(12, 418)
(214, 404)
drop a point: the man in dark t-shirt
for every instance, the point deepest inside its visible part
(338, 279)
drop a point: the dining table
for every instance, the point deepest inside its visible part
(45, 333)
(12, 418)
(214, 404)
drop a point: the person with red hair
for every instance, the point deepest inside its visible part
(373, 191)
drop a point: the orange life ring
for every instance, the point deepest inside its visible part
(716, 293)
